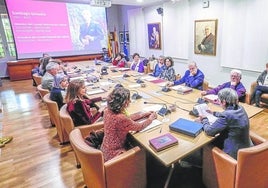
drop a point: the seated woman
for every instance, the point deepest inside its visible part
(82, 109)
(58, 91)
(137, 64)
(118, 123)
(119, 60)
(232, 124)
(262, 87)
(169, 72)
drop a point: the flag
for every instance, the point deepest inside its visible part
(116, 46)
(109, 46)
(125, 44)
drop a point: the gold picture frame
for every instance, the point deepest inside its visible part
(205, 39)
(154, 35)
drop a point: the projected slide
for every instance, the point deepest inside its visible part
(56, 28)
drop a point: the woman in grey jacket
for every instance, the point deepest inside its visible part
(232, 124)
(262, 87)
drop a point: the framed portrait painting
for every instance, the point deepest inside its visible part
(154, 35)
(205, 39)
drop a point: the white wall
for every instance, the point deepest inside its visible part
(178, 37)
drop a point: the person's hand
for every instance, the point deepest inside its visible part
(153, 116)
(169, 84)
(202, 47)
(203, 93)
(233, 83)
(89, 38)
(209, 111)
(93, 111)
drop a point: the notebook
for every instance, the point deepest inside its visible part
(182, 89)
(163, 142)
(185, 126)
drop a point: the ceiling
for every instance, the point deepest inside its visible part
(135, 3)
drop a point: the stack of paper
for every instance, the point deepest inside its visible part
(203, 111)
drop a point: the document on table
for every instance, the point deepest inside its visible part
(202, 110)
(154, 123)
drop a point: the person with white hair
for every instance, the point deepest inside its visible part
(232, 124)
(234, 84)
(48, 78)
(193, 77)
(207, 44)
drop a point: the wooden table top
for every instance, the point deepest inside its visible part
(152, 93)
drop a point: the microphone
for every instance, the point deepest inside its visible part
(92, 78)
(163, 111)
(165, 89)
(125, 75)
(104, 70)
(139, 81)
(135, 95)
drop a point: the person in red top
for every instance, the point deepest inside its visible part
(119, 60)
(82, 110)
(118, 123)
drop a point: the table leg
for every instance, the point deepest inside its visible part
(169, 175)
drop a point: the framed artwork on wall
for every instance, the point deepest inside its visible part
(205, 39)
(121, 37)
(154, 35)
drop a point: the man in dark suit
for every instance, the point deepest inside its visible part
(207, 44)
(90, 33)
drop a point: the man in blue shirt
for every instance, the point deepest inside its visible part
(159, 67)
(192, 78)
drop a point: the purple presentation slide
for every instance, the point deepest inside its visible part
(57, 28)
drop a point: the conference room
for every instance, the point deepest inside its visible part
(181, 28)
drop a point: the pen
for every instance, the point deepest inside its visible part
(160, 130)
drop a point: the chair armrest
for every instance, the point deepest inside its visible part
(252, 87)
(85, 129)
(225, 168)
(129, 168)
(256, 139)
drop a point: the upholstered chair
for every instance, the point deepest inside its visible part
(125, 170)
(264, 97)
(249, 170)
(42, 91)
(37, 78)
(205, 85)
(54, 115)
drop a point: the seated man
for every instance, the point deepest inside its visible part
(159, 67)
(48, 78)
(192, 78)
(234, 83)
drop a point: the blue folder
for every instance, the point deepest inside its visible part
(185, 126)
